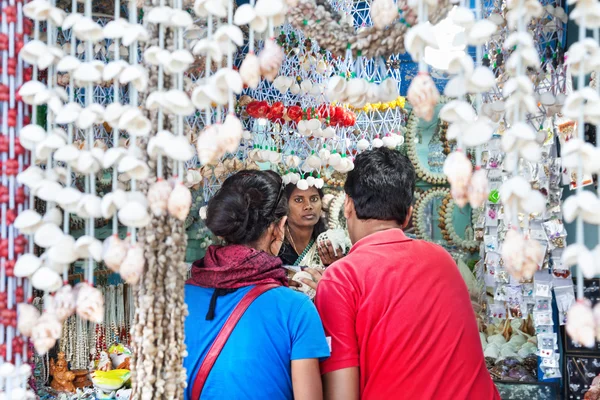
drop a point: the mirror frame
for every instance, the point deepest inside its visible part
(423, 173)
(419, 210)
(446, 224)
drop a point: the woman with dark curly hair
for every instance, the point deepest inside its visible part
(273, 350)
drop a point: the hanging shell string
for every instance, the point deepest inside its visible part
(115, 131)
(133, 97)
(91, 189)
(478, 97)
(581, 135)
(180, 129)
(209, 27)
(160, 87)
(597, 39)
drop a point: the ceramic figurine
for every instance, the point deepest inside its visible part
(62, 378)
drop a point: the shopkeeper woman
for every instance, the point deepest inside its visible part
(304, 225)
(274, 350)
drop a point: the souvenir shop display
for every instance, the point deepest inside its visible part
(121, 120)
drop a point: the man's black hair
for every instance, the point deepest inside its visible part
(381, 185)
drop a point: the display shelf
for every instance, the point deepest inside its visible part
(528, 390)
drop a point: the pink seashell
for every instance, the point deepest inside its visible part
(90, 302)
(596, 311)
(114, 252)
(423, 96)
(63, 303)
(458, 170)
(27, 317)
(459, 194)
(271, 57)
(580, 323)
(47, 331)
(158, 197)
(478, 190)
(521, 255)
(250, 70)
(133, 265)
(180, 202)
(383, 13)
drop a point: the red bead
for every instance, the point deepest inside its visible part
(19, 150)
(20, 195)
(11, 215)
(4, 248)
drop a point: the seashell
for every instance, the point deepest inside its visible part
(27, 221)
(26, 265)
(32, 177)
(90, 303)
(47, 235)
(295, 89)
(63, 303)
(363, 144)
(158, 197)
(135, 33)
(112, 156)
(68, 64)
(207, 145)
(47, 331)
(271, 57)
(481, 32)
(68, 198)
(113, 69)
(580, 323)
(418, 38)
(27, 317)
(132, 266)
(89, 207)
(112, 202)
(48, 145)
(63, 252)
(478, 190)
(54, 216)
(31, 135)
(159, 15)
(457, 111)
(137, 75)
(46, 280)
(87, 246)
(134, 215)
(209, 48)
(135, 122)
(181, 19)
(584, 205)
(113, 113)
(228, 37)
(134, 168)
(481, 80)
(383, 13)
(114, 252)
(180, 202)
(179, 61)
(423, 95)
(302, 184)
(250, 70)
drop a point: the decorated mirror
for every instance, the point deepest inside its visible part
(428, 146)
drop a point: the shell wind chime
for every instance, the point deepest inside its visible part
(582, 106)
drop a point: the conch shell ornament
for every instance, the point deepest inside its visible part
(423, 96)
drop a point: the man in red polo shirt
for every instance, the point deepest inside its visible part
(397, 310)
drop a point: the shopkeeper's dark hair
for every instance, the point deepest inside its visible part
(381, 185)
(246, 205)
(320, 226)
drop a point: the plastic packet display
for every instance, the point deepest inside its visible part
(565, 297)
(556, 233)
(498, 310)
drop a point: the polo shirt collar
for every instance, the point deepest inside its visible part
(382, 237)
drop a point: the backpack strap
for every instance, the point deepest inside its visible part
(223, 336)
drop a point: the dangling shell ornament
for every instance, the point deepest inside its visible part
(271, 57)
(250, 70)
(27, 318)
(46, 332)
(521, 255)
(478, 188)
(458, 170)
(90, 303)
(63, 303)
(158, 197)
(580, 323)
(115, 251)
(180, 202)
(423, 96)
(133, 265)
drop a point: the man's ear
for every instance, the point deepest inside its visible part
(408, 216)
(349, 210)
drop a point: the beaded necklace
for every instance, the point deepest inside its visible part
(306, 250)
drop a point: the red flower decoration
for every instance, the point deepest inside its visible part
(294, 113)
(276, 112)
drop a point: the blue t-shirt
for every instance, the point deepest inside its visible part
(279, 326)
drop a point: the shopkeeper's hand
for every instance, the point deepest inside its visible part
(316, 275)
(328, 255)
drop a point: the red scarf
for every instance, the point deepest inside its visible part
(236, 266)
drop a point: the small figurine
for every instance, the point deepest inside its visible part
(105, 363)
(120, 356)
(124, 394)
(62, 378)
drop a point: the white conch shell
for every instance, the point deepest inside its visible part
(418, 38)
(27, 317)
(271, 57)
(230, 133)
(63, 252)
(302, 184)
(580, 323)
(137, 75)
(132, 266)
(585, 205)
(158, 197)
(87, 246)
(26, 265)
(207, 145)
(63, 303)
(46, 280)
(135, 122)
(114, 253)
(47, 235)
(478, 190)
(134, 215)
(521, 255)
(90, 303)
(46, 332)
(179, 149)
(578, 254)
(134, 168)
(423, 95)
(112, 202)
(180, 202)
(28, 221)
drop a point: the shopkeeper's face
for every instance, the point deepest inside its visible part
(305, 207)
